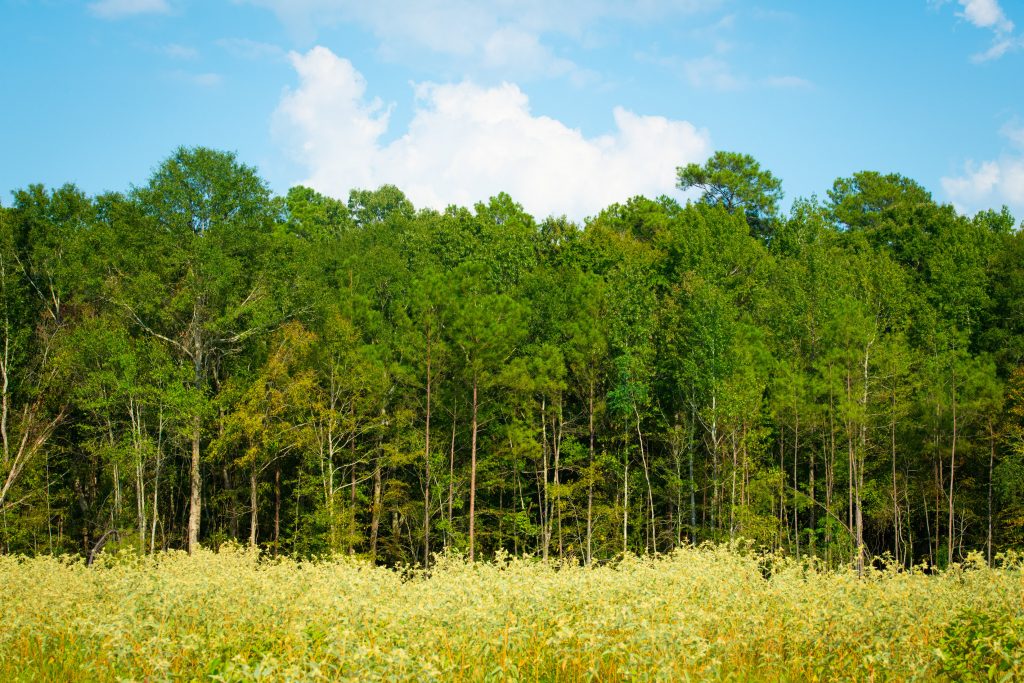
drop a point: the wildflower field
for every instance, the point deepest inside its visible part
(698, 614)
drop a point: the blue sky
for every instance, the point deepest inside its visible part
(567, 105)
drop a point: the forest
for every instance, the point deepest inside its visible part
(197, 361)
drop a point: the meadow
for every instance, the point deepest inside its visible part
(704, 613)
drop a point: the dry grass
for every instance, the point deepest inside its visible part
(699, 614)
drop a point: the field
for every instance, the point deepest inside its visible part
(699, 614)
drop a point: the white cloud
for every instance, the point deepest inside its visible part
(117, 9)
(998, 48)
(1014, 132)
(712, 72)
(986, 14)
(520, 53)
(477, 34)
(990, 184)
(245, 48)
(177, 51)
(716, 73)
(466, 143)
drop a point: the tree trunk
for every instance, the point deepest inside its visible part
(156, 482)
(991, 465)
(896, 524)
(545, 502)
(426, 467)
(352, 493)
(472, 478)
(195, 490)
(590, 482)
(140, 484)
(195, 478)
(277, 508)
(376, 510)
(253, 509)
(556, 437)
(451, 476)
(796, 491)
(952, 472)
(625, 502)
(647, 477)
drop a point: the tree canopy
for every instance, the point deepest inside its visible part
(198, 360)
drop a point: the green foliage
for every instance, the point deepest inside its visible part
(836, 382)
(737, 183)
(984, 644)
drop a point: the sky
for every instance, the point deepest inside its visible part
(567, 105)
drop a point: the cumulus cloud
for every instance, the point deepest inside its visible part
(117, 9)
(466, 143)
(992, 183)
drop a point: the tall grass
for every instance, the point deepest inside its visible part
(698, 614)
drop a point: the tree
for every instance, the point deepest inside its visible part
(737, 183)
(40, 262)
(486, 328)
(265, 420)
(867, 199)
(191, 275)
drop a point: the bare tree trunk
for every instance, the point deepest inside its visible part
(732, 489)
(927, 528)
(693, 498)
(896, 522)
(590, 482)
(135, 415)
(952, 471)
(472, 478)
(253, 509)
(814, 512)
(830, 478)
(352, 501)
(796, 491)
(426, 467)
(195, 490)
(556, 437)
(545, 503)
(861, 460)
(195, 478)
(991, 465)
(375, 511)
(647, 477)
(451, 475)
(625, 502)
(277, 508)
(156, 480)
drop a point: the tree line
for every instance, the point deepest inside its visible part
(197, 360)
